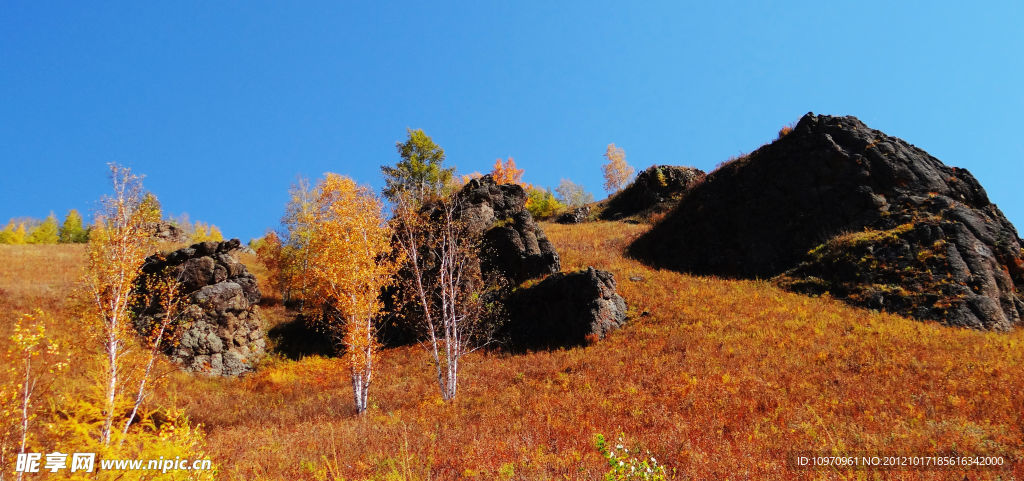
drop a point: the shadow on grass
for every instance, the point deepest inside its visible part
(295, 339)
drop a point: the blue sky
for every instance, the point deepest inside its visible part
(223, 104)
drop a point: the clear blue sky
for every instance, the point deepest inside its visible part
(223, 104)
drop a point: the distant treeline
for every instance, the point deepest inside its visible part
(27, 230)
(46, 231)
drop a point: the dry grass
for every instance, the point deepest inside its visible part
(716, 378)
(36, 275)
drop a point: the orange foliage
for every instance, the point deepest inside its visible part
(507, 173)
(785, 130)
(349, 263)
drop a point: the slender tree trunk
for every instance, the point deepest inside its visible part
(111, 394)
(26, 398)
(145, 375)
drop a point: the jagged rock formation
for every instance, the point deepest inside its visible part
(836, 206)
(657, 189)
(564, 310)
(513, 245)
(222, 324)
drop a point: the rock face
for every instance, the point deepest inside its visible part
(514, 246)
(223, 332)
(564, 310)
(836, 206)
(657, 188)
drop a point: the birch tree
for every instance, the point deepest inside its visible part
(350, 262)
(118, 245)
(443, 280)
(617, 173)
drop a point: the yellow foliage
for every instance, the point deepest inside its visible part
(13, 234)
(617, 173)
(350, 262)
(203, 232)
(32, 362)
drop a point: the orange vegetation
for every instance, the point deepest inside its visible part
(715, 378)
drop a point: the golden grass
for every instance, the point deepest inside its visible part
(716, 378)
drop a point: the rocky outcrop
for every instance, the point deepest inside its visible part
(221, 327)
(575, 216)
(836, 206)
(513, 245)
(561, 310)
(564, 310)
(656, 189)
(167, 231)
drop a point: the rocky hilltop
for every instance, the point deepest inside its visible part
(835, 206)
(656, 189)
(222, 324)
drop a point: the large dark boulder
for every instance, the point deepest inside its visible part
(513, 246)
(221, 327)
(657, 189)
(565, 309)
(836, 206)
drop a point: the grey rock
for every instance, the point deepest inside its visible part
(575, 216)
(222, 327)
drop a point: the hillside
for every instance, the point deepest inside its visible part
(716, 378)
(834, 206)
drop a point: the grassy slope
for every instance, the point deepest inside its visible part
(715, 380)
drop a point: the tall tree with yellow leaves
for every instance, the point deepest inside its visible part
(617, 173)
(118, 245)
(72, 231)
(350, 261)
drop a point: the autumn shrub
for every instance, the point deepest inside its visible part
(507, 173)
(785, 130)
(541, 203)
(154, 434)
(203, 232)
(33, 361)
